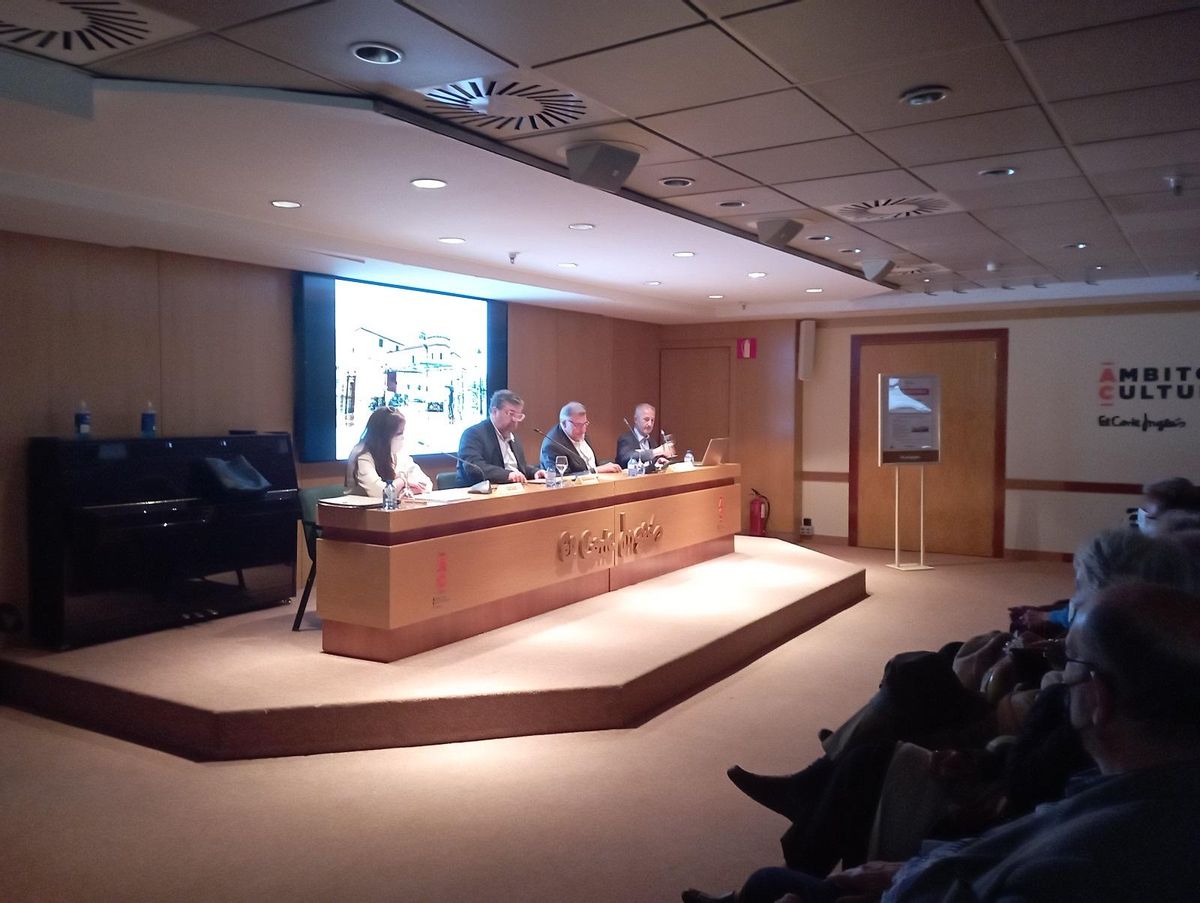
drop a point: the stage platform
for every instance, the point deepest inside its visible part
(248, 687)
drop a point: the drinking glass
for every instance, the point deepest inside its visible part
(560, 464)
(668, 442)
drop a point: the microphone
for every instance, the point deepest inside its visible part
(483, 487)
(562, 448)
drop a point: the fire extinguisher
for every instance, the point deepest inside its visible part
(760, 510)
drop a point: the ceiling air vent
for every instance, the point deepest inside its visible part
(83, 31)
(893, 208)
(501, 105)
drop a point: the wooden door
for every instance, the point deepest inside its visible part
(964, 493)
(695, 393)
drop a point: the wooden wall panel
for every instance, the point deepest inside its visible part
(79, 322)
(209, 342)
(763, 403)
(227, 346)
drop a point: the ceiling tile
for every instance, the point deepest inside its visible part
(1031, 166)
(721, 8)
(1139, 153)
(853, 189)
(1146, 181)
(985, 134)
(553, 145)
(948, 228)
(532, 32)
(768, 120)
(1006, 219)
(1167, 264)
(1118, 57)
(1165, 108)
(980, 79)
(1148, 214)
(208, 59)
(215, 14)
(319, 37)
(754, 201)
(1031, 18)
(706, 175)
(813, 160)
(684, 69)
(1021, 193)
(823, 39)
(1179, 243)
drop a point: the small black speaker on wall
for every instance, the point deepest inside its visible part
(603, 166)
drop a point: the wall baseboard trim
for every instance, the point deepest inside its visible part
(1074, 486)
(823, 476)
(1037, 555)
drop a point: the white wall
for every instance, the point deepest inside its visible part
(1054, 406)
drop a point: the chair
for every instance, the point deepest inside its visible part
(308, 518)
(448, 480)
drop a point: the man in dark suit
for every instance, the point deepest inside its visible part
(569, 438)
(639, 442)
(490, 450)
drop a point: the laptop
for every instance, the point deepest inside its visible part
(715, 453)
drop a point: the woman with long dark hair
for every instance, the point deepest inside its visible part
(380, 457)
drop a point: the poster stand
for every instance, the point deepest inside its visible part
(919, 564)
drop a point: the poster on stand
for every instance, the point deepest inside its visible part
(909, 419)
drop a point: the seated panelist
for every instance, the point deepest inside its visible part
(640, 442)
(490, 450)
(570, 438)
(379, 457)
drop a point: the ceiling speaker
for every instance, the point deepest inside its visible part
(600, 165)
(877, 270)
(778, 232)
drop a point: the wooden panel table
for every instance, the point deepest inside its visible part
(395, 583)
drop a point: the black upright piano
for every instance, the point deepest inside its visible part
(127, 536)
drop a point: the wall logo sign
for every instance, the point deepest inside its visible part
(1151, 386)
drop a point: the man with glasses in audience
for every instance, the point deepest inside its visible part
(569, 438)
(490, 450)
(1127, 831)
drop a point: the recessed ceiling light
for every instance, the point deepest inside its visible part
(819, 237)
(653, 282)
(1000, 171)
(568, 266)
(286, 205)
(851, 251)
(1098, 267)
(378, 54)
(813, 291)
(427, 183)
(924, 95)
(758, 275)
(684, 254)
(715, 297)
(927, 279)
(1076, 245)
(676, 182)
(732, 204)
(451, 240)
(582, 227)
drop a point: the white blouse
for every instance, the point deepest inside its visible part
(364, 479)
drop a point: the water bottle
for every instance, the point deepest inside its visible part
(632, 469)
(389, 496)
(689, 459)
(83, 421)
(149, 421)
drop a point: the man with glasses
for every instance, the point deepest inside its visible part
(569, 438)
(1127, 831)
(490, 450)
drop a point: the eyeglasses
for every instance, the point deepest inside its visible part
(580, 422)
(518, 416)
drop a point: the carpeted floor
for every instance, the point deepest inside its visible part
(627, 815)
